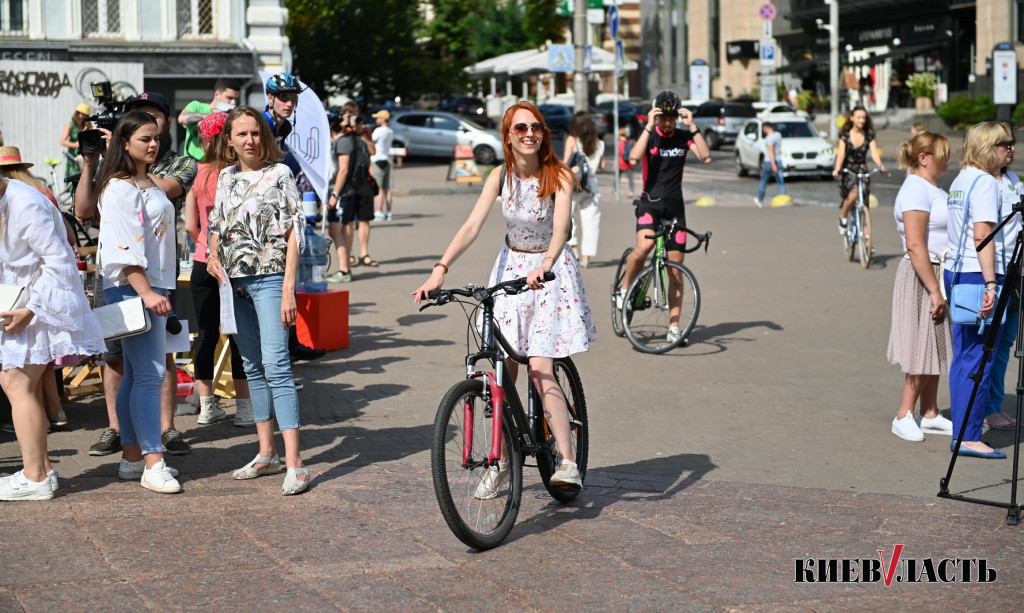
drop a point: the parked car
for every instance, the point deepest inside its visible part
(804, 151)
(721, 121)
(435, 134)
(628, 113)
(469, 106)
(558, 116)
(427, 102)
(776, 108)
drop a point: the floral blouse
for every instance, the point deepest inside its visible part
(137, 229)
(252, 216)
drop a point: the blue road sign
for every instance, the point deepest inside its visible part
(613, 20)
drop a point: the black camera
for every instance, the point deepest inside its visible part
(91, 141)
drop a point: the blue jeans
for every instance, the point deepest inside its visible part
(145, 364)
(967, 357)
(1007, 336)
(263, 343)
(766, 171)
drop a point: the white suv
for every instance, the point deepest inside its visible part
(804, 151)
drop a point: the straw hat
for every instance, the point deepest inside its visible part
(84, 109)
(11, 156)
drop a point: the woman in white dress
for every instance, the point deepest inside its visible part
(55, 323)
(583, 139)
(553, 320)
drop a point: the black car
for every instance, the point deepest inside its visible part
(468, 106)
(558, 116)
(629, 113)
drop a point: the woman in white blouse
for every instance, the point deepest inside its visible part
(256, 228)
(919, 341)
(138, 259)
(55, 322)
(583, 138)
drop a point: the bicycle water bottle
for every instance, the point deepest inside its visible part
(312, 262)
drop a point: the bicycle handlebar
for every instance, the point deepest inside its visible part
(666, 227)
(860, 175)
(512, 286)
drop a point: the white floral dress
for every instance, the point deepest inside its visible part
(551, 322)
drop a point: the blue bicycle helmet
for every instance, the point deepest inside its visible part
(283, 83)
(668, 102)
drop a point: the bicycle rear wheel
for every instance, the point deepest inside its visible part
(568, 379)
(864, 244)
(463, 424)
(620, 274)
(646, 313)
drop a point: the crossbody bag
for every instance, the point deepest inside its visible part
(966, 299)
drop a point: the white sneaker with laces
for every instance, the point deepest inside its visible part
(159, 479)
(936, 425)
(210, 411)
(130, 471)
(243, 413)
(18, 487)
(567, 474)
(493, 479)
(907, 428)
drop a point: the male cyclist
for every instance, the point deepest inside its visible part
(282, 98)
(663, 149)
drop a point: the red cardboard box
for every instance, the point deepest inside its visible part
(323, 319)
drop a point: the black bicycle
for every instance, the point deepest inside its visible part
(481, 419)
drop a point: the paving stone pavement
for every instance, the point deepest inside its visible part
(713, 468)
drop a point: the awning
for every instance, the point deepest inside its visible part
(536, 61)
(897, 52)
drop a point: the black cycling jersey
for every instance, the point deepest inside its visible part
(663, 163)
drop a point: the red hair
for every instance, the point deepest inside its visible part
(553, 172)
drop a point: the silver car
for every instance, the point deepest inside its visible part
(435, 134)
(804, 151)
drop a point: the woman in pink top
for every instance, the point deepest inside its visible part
(205, 291)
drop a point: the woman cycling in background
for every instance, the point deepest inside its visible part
(856, 143)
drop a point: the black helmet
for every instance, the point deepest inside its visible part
(668, 102)
(283, 83)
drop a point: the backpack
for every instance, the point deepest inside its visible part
(359, 165)
(628, 146)
(579, 161)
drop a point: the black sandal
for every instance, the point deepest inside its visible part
(366, 260)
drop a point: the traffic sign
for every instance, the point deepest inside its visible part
(561, 58)
(588, 57)
(767, 11)
(767, 52)
(620, 57)
(613, 20)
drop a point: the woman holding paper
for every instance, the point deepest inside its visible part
(55, 322)
(205, 289)
(255, 235)
(138, 259)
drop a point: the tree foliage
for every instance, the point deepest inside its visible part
(542, 23)
(500, 29)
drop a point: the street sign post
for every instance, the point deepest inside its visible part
(767, 14)
(561, 58)
(613, 21)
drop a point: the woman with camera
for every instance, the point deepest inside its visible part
(255, 237)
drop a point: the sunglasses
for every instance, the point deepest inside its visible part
(288, 97)
(521, 128)
(1009, 144)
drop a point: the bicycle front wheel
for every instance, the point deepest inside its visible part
(479, 516)
(864, 244)
(620, 274)
(568, 379)
(849, 246)
(646, 313)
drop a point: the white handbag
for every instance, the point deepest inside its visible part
(125, 318)
(16, 296)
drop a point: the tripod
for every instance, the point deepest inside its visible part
(1013, 272)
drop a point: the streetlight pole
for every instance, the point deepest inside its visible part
(579, 35)
(833, 66)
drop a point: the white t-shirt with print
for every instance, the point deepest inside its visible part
(917, 194)
(984, 207)
(1010, 190)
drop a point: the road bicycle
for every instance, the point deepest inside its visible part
(646, 309)
(482, 416)
(857, 237)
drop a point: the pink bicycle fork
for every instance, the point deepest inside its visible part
(497, 404)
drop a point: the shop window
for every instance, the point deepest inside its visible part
(102, 18)
(195, 18)
(12, 18)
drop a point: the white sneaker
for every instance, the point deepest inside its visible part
(491, 483)
(620, 298)
(567, 474)
(936, 425)
(757, 201)
(159, 479)
(130, 471)
(843, 225)
(18, 487)
(387, 216)
(52, 477)
(907, 428)
(378, 216)
(210, 411)
(243, 413)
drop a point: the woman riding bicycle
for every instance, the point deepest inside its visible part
(535, 189)
(856, 142)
